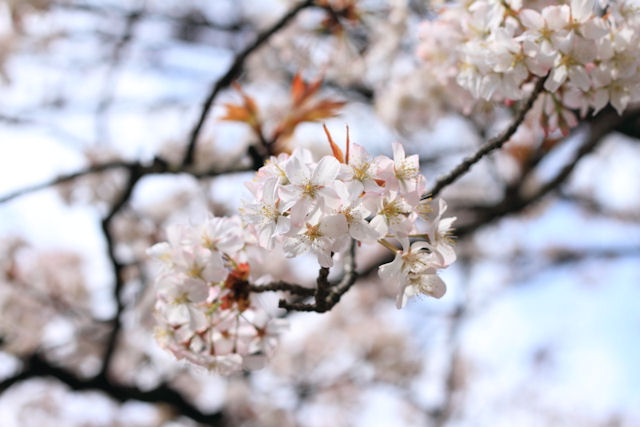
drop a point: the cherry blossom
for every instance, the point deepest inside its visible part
(207, 310)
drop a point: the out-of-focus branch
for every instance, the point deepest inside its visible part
(604, 124)
(119, 164)
(37, 367)
(594, 207)
(513, 201)
(106, 94)
(190, 19)
(491, 145)
(233, 72)
(158, 166)
(116, 266)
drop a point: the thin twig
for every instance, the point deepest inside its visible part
(491, 145)
(118, 164)
(159, 166)
(604, 124)
(233, 72)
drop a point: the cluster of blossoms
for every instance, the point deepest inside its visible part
(207, 307)
(495, 49)
(205, 311)
(321, 207)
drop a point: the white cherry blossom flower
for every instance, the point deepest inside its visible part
(415, 270)
(268, 213)
(321, 235)
(440, 235)
(403, 173)
(309, 187)
(356, 213)
(392, 213)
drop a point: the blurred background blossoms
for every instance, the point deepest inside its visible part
(129, 123)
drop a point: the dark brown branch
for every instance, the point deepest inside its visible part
(513, 202)
(283, 286)
(327, 294)
(594, 207)
(37, 367)
(159, 166)
(119, 164)
(233, 72)
(491, 145)
(602, 125)
(191, 19)
(134, 176)
(107, 92)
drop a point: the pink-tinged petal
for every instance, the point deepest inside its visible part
(557, 76)
(398, 152)
(270, 191)
(579, 77)
(299, 212)
(214, 270)
(297, 171)
(599, 100)
(445, 224)
(433, 285)
(283, 225)
(161, 251)
(380, 225)
(620, 99)
(418, 246)
(341, 243)
(556, 17)
(531, 19)
(329, 197)
(358, 155)
(289, 193)
(402, 297)
(364, 232)
(265, 236)
(176, 314)
(324, 259)
(447, 255)
(333, 225)
(584, 50)
(326, 171)
(176, 234)
(392, 271)
(581, 10)
(594, 29)
(537, 67)
(294, 247)
(197, 290)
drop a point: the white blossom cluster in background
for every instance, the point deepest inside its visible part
(206, 309)
(495, 49)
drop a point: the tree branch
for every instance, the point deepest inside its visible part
(327, 295)
(119, 164)
(491, 145)
(233, 72)
(602, 125)
(283, 286)
(158, 166)
(37, 367)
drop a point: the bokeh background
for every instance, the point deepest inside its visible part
(541, 322)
